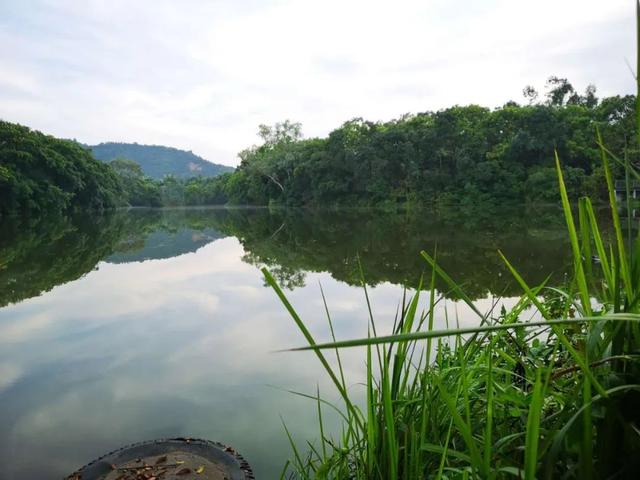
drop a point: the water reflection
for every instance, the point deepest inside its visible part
(292, 242)
(145, 324)
(37, 256)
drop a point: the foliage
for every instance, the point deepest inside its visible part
(40, 174)
(460, 154)
(139, 190)
(43, 174)
(171, 191)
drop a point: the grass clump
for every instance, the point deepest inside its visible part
(549, 398)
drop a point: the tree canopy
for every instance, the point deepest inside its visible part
(462, 154)
(40, 173)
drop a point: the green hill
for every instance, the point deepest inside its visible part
(158, 161)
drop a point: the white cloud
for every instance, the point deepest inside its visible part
(202, 75)
(9, 373)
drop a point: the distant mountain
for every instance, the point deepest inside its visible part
(157, 161)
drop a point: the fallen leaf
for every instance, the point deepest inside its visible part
(200, 469)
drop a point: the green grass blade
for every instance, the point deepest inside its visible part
(585, 238)
(409, 337)
(575, 244)
(453, 285)
(599, 244)
(562, 433)
(463, 428)
(533, 430)
(624, 268)
(321, 423)
(488, 433)
(638, 72)
(272, 282)
(371, 417)
(296, 453)
(333, 336)
(586, 457)
(390, 429)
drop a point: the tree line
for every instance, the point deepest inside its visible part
(41, 174)
(458, 155)
(462, 154)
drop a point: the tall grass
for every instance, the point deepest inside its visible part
(558, 397)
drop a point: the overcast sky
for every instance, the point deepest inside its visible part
(202, 75)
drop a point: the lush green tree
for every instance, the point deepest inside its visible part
(205, 190)
(270, 164)
(172, 191)
(40, 173)
(459, 154)
(139, 190)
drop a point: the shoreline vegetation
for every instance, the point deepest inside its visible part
(457, 156)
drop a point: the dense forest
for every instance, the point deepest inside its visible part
(462, 154)
(459, 154)
(43, 174)
(158, 162)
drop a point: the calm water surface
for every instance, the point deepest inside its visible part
(146, 324)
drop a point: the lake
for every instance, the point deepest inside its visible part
(144, 324)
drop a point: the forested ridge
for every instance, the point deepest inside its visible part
(158, 161)
(41, 174)
(462, 154)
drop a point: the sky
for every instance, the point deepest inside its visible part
(202, 75)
